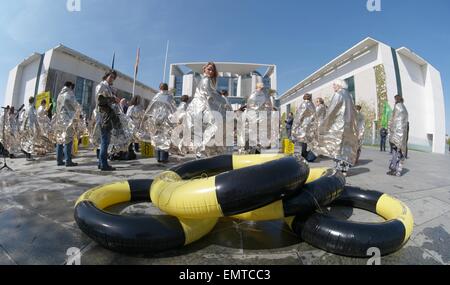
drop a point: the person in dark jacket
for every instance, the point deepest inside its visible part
(289, 123)
(107, 117)
(383, 136)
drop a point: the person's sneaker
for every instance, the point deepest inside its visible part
(390, 173)
(30, 159)
(109, 168)
(71, 164)
(61, 164)
(398, 174)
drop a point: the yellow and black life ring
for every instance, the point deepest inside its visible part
(322, 188)
(355, 239)
(227, 185)
(134, 234)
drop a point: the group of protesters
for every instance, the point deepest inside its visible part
(204, 125)
(337, 131)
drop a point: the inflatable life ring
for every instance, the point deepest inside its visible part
(322, 188)
(244, 184)
(355, 239)
(134, 234)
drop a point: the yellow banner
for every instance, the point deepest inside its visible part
(288, 147)
(43, 96)
(75, 147)
(85, 141)
(147, 150)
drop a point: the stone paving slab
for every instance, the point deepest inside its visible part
(37, 226)
(32, 239)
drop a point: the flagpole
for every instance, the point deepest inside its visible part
(136, 71)
(134, 86)
(113, 61)
(165, 62)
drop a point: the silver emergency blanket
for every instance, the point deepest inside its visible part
(135, 114)
(321, 112)
(156, 126)
(43, 120)
(179, 120)
(10, 141)
(122, 136)
(32, 139)
(206, 101)
(398, 127)
(257, 119)
(361, 127)
(338, 138)
(304, 126)
(66, 122)
(94, 130)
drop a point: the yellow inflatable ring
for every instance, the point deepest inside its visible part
(134, 234)
(245, 183)
(322, 188)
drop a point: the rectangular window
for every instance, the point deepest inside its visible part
(223, 83)
(84, 94)
(351, 87)
(235, 87)
(179, 86)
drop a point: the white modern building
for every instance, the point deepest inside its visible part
(239, 79)
(375, 73)
(49, 71)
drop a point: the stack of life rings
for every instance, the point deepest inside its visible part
(195, 195)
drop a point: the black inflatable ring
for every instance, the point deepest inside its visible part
(318, 193)
(355, 239)
(248, 183)
(134, 234)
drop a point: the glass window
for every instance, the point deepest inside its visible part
(235, 87)
(267, 82)
(223, 84)
(84, 94)
(351, 87)
(79, 89)
(179, 86)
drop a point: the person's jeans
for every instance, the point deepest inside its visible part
(396, 163)
(105, 140)
(383, 144)
(304, 147)
(64, 152)
(162, 156)
(60, 154)
(289, 133)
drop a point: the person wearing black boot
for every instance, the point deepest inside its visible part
(303, 129)
(156, 126)
(398, 129)
(107, 116)
(135, 112)
(66, 121)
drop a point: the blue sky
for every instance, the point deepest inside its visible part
(298, 36)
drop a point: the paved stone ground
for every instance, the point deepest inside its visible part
(37, 225)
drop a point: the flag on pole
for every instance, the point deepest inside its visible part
(113, 61)
(136, 66)
(136, 69)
